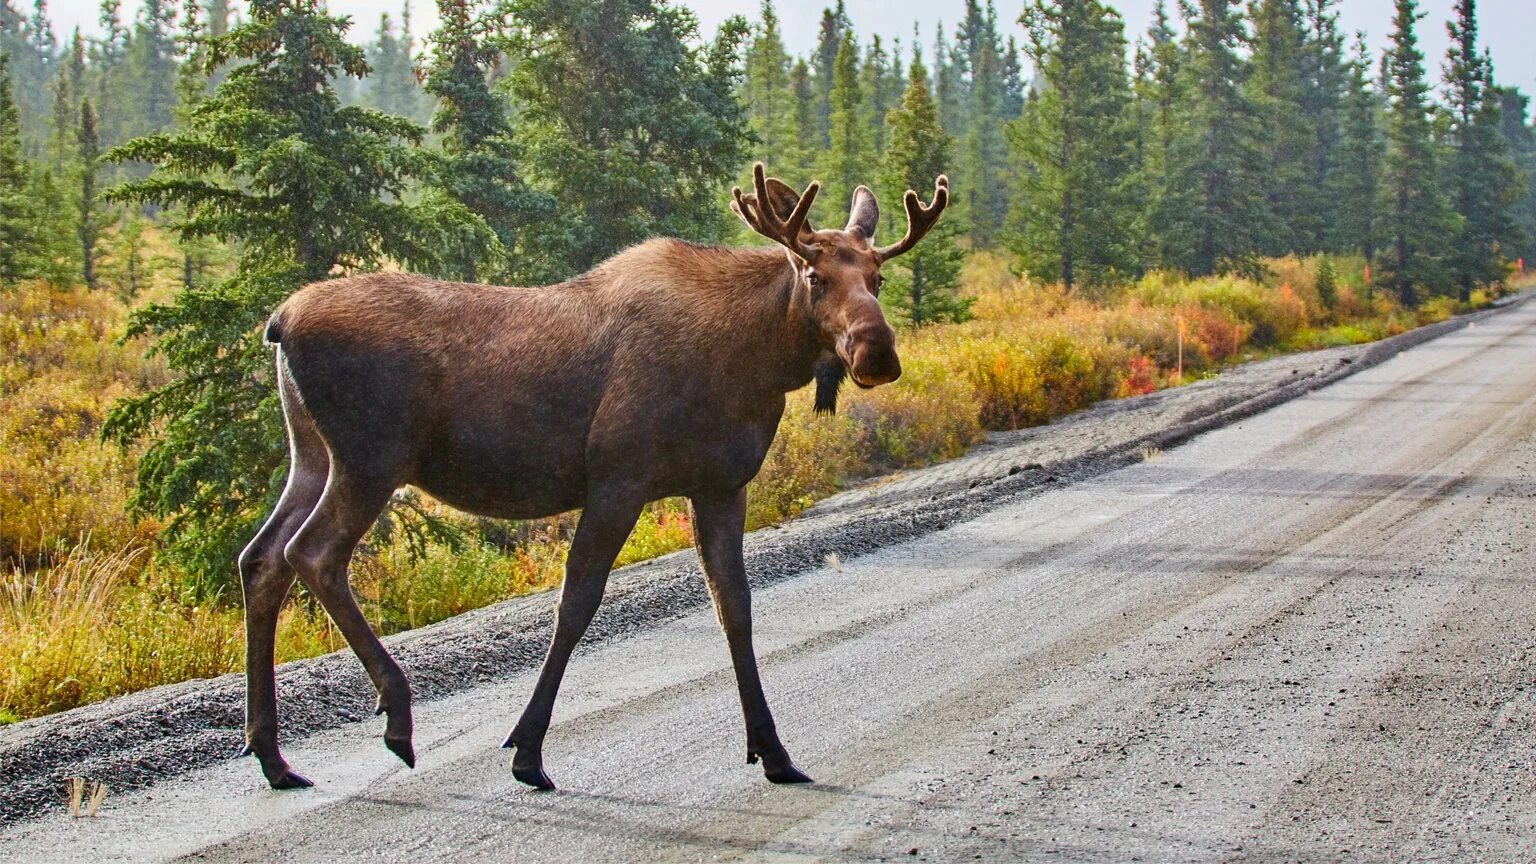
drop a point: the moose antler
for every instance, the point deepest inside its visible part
(759, 212)
(920, 219)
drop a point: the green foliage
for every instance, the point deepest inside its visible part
(1276, 89)
(921, 286)
(16, 216)
(1418, 223)
(1514, 125)
(1483, 181)
(1211, 213)
(632, 127)
(773, 103)
(480, 165)
(1355, 183)
(1074, 201)
(849, 158)
(91, 214)
(307, 188)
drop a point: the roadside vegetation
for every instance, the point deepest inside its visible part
(88, 611)
(1130, 211)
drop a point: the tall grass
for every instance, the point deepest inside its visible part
(86, 611)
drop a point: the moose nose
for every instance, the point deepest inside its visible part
(872, 359)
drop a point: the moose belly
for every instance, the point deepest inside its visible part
(504, 479)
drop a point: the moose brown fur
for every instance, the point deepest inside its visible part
(660, 373)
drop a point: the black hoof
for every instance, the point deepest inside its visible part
(402, 747)
(534, 777)
(787, 774)
(245, 750)
(778, 768)
(290, 779)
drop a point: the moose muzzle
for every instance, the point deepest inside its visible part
(870, 352)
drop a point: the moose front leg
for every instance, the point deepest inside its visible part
(718, 525)
(605, 525)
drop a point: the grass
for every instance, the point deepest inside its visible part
(87, 612)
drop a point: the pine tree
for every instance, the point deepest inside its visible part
(807, 122)
(148, 93)
(920, 287)
(947, 86)
(90, 214)
(16, 216)
(1521, 138)
(1013, 83)
(829, 41)
(1211, 210)
(1355, 183)
(1483, 184)
(307, 189)
(848, 159)
(769, 99)
(627, 153)
(110, 52)
(1276, 88)
(982, 184)
(1074, 206)
(1325, 81)
(1418, 223)
(874, 80)
(1158, 88)
(480, 166)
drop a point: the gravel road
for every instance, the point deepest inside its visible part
(1305, 636)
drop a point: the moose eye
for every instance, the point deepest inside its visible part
(813, 279)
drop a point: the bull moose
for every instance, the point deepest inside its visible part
(660, 373)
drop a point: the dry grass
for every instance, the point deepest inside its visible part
(87, 613)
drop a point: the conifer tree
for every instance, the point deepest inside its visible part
(16, 235)
(1211, 210)
(1521, 138)
(769, 99)
(1483, 182)
(947, 86)
(480, 167)
(807, 121)
(848, 160)
(1418, 223)
(1276, 88)
(1158, 86)
(91, 216)
(308, 189)
(874, 81)
(627, 153)
(829, 40)
(1325, 81)
(148, 86)
(920, 287)
(1355, 183)
(1074, 206)
(982, 185)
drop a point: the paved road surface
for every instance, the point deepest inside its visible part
(1308, 636)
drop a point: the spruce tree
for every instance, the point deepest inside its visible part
(807, 122)
(848, 160)
(1355, 183)
(1483, 184)
(480, 166)
(829, 40)
(1521, 138)
(920, 287)
(90, 212)
(1418, 223)
(628, 151)
(769, 99)
(1212, 214)
(874, 81)
(148, 87)
(16, 217)
(1158, 86)
(1075, 202)
(1276, 88)
(982, 185)
(1325, 82)
(307, 189)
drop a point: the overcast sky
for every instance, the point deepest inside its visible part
(1508, 26)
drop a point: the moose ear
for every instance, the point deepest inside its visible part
(782, 198)
(865, 214)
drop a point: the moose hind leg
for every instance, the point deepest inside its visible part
(320, 552)
(605, 525)
(719, 524)
(265, 578)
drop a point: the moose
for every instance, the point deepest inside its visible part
(662, 372)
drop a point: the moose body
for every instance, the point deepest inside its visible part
(663, 372)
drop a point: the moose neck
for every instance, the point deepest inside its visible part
(774, 318)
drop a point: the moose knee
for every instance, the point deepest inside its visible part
(263, 568)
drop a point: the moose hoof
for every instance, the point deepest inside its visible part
(533, 776)
(290, 779)
(778, 768)
(402, 747)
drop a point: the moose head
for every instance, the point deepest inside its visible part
(838, 273)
